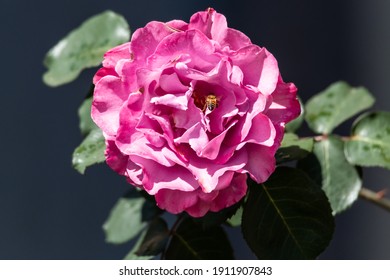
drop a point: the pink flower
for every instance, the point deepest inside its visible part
(189, 109)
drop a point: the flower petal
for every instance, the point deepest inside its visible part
(109, 96)
(191, 42)
(261, 163)
(259, 66)
(285, 106)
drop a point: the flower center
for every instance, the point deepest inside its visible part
(204, 102)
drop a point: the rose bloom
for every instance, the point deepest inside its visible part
(189, 109)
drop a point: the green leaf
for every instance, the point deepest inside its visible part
(293, 148)
(295, 124)
(84, 47)
(126, 219)
(190, 242)
(369, 144)
(86, 123)
(340, 180)
(287, 217)
(337, 103)
(155, 239)
(90, 151)
(132, 254)
(329, 168)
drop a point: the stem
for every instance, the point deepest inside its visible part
(376, 198)
(172, 232)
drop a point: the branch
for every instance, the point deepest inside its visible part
(375, 197)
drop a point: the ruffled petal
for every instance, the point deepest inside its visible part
(115, 158)
(175, 201)
(109, 96)
(232, 194)
(285, 106)
(192, 42)
(259, 67)
(261, 163)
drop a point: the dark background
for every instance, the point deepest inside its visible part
(49, 211)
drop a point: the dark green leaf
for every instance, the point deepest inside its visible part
(216, 218)
(287, 217)
(312, 167)
(155, 239)
(132, 254)
(84, 47)
(295, 124)
(337, 103)
(293, 148)
(340, 180)
(370, 141)
(126, 219)
(90, 151)
(86, 122)
(190, 242)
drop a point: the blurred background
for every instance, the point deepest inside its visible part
(49, 211)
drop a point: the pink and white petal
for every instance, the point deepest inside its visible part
(109, 96)
(260, 102)
(210, 23)
(189, 118)
(117, 53)
(151, 130)
(115, 158)
(208, 173)
(285, 106)
(157, 177)
(199, 209)
(141, 147)
(175, 201)
(262, 131)
(261, 163)
(225, 180)
(145, 40)
(212, 148)
(244, 125)
(232, 194)
(165, 125)
(134, 173)
(147, 81)
(236, 76)
(102, 72)
(195, 136)
(171, 83)
(234, 39)
(177, 101)
(192, 42)
(177, 25)
(130, 114)
(259, 66)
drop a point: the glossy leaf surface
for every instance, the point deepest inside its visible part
(340, 180)
(191, 242)
(90, 151)
(84, 47)
(337, 103)
(369, 144)
(127, 218)
(287, 217)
